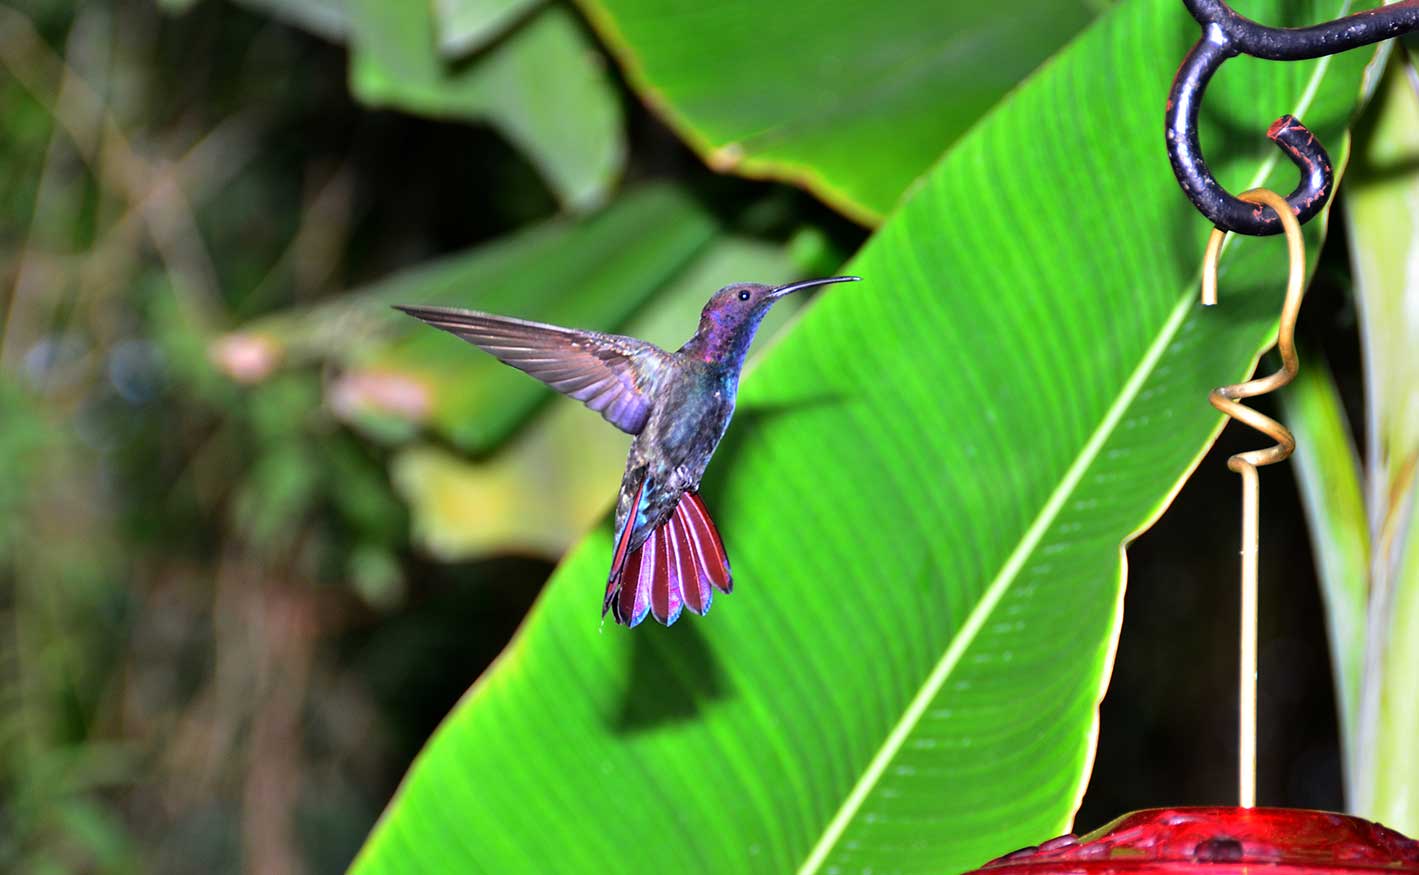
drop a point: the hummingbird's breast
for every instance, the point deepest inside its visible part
(687, 421)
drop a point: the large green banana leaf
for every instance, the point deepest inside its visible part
(925, 497)
(852, 100)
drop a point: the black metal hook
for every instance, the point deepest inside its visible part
(1225, 34)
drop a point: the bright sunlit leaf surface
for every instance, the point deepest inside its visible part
(853, 100)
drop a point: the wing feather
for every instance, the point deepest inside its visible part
(610, 373)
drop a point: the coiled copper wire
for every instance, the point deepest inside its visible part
(1228, 400)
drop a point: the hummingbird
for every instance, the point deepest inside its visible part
(668, 552)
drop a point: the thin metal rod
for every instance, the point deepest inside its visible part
(1228, 400)
(1246, 721)
(1225, 34)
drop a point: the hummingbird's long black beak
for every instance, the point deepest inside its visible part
(793, 287)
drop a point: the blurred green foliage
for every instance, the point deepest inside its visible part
(542, 85)
(1362, 515)
(214, 499)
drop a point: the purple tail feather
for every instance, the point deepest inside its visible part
(679, 566)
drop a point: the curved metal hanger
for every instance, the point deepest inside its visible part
(1225, 34)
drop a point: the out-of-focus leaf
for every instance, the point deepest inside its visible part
(1383, 200)
(851, 100)
(23, 439)
(924, 499)
(544, 87)
(283, 481)
(1396, 755)
(275, 495)
(544, 490)
(101, 833)
(376, 576)
(464, 26)
(325, 18)
(279, 408)
(536, 497)
(1382, 206)
(1329, 472)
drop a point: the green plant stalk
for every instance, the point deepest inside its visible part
(1328, 471)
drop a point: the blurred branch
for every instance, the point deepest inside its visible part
(313, 255)
(195, 176)
(1329, 473)
(100, 141)
(288, 626)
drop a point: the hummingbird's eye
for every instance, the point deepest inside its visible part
(744, 295)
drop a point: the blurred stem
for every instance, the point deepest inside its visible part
(313, 255)
(285, 620)
(1328, 470)
(19, 321)
(1394, 760)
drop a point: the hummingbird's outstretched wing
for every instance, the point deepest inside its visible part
(607, 372)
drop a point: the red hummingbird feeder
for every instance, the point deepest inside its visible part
(1221, 840)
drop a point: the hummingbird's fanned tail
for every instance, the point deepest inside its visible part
(678, 566)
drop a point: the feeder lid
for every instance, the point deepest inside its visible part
(1220, 840)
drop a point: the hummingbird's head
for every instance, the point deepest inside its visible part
(733, 314)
